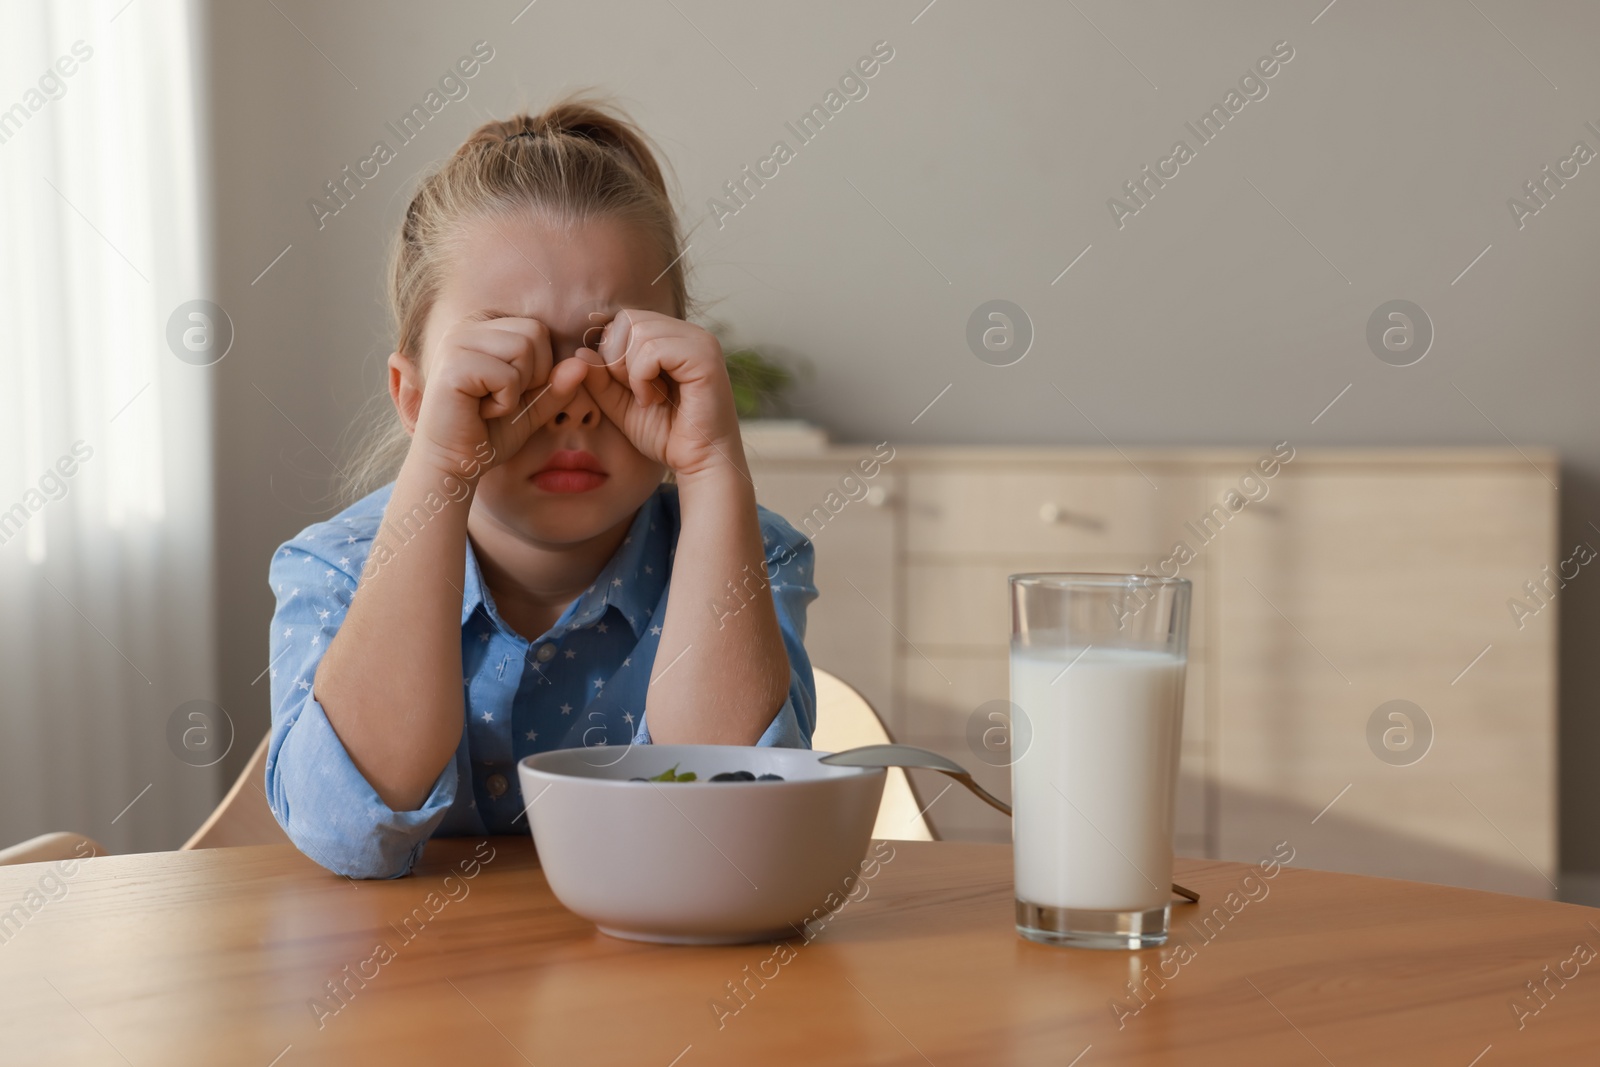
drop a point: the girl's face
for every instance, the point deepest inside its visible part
(578, 476)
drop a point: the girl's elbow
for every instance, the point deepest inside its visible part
(353, 859)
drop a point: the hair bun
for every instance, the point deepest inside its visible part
(587, 117)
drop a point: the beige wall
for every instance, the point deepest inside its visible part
(1231, 309)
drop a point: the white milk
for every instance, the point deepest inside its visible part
(1106, 735)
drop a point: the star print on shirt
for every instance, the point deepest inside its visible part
(304, 685)
(570, 654)
(288, 631)
(628, 662)
(344, 561)
(599, 683)
(649, 569)
(616, 581)
(531, 735)
(566, 709)
(488, 716)
(601, 627)
(655, 631)
(323, 613)
(627, 717)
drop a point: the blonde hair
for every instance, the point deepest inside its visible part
(580, 159)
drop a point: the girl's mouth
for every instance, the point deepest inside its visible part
(570, 471)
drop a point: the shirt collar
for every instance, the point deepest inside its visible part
(632, 581)
(473, 596)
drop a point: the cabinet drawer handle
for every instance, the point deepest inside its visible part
(1056, 515)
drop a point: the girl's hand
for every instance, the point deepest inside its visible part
(489, 387)
(663, 382)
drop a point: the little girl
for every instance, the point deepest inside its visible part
(528, 581)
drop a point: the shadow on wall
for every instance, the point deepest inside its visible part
(1333, 842)
(1578, 670)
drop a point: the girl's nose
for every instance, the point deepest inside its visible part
(581, 409)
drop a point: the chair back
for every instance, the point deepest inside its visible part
(243, 817)
(845, 719)
(53, 846)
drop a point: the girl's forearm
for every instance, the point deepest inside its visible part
(721, 671)
(390, 682)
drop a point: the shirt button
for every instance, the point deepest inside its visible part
(496, 785)
(546, 653)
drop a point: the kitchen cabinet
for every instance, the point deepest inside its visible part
(1342, 582)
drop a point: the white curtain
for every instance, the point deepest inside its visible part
(106, 612)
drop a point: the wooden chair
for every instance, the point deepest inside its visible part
(243, 817)
(844, 720)
(49, 847)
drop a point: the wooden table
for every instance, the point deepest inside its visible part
(222, 956)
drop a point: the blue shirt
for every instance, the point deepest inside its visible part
(583, 682)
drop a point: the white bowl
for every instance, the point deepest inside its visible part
(697, 862)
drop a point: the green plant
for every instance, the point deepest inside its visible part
(758, 382)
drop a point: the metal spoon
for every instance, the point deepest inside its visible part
(911, 756)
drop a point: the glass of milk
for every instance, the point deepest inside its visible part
(1097, 665)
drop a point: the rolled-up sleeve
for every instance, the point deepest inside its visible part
(321, 800)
